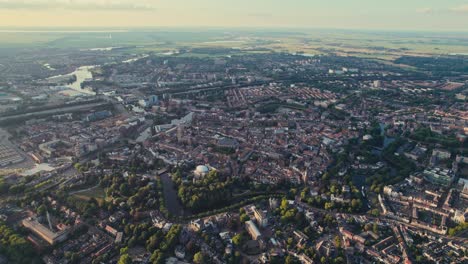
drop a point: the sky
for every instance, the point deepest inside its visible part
(430, 15)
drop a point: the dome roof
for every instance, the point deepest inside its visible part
(202, 169)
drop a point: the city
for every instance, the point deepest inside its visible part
(232, 146)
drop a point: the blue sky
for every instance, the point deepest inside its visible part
(438, 15)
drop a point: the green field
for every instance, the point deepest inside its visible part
(380, 45)
(96, 193)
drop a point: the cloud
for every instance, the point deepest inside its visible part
(102, 5)
(424, 10)
(460, 9)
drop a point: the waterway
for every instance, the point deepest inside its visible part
(135, 59)
(387, 140)
(84, 73)
(359, 180)
(171, 199)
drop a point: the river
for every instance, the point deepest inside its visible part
(84, 73)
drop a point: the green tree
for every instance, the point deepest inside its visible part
(124, 189)
(199, 258)
(125, 259)
(244, 218)
(238, 239)
(124, 251)
(291, 260)
(284, 204)
(337, 241)
(41, 210)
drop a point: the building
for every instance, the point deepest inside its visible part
(463, 183)
(201, 171)
(228, 143)
(45, 233)
(274, 203)
(118, 238)
(180, 252)
(377, 84)
(305, 259)
(441, 154)
(261, 218)
(180, 133)
(51, 147)
(111, 230)
(253, 230)
(150, 101)
(460, 217)
(98, 116)
(196, 225)
(438, 176)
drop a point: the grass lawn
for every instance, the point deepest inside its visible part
(96, 193)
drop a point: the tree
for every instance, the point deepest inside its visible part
(323, 260)
(199, 258)
(78, 166)
(355, 204)
(232, 223)
(41, 210)
(124, 189)
(284, 204)
(290, 260)
(244, 218)
(125, 259)
(238, 239)
(337, 241)
(15, 247)
(124, 251)
(375, 212)
(157, 257)
(304, 193)
(339, 260)
(290, 241)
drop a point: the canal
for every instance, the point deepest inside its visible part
(171, 199)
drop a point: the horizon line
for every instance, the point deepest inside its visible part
(122, 29)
